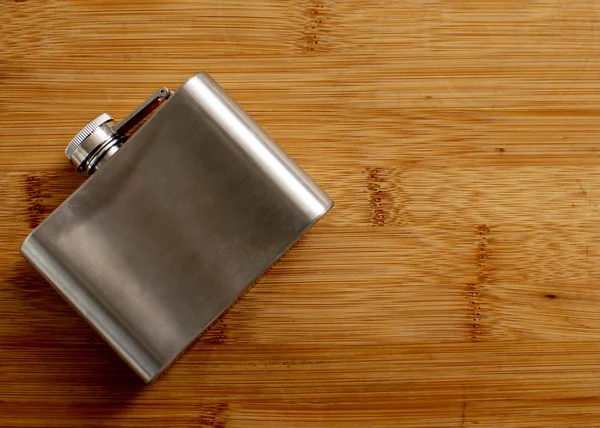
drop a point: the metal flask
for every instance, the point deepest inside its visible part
(175, 223)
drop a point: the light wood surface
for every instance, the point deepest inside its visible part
(455, 284)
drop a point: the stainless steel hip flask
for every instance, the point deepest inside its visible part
(177, 220)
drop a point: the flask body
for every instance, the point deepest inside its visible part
(175, 226)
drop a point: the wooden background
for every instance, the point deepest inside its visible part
(455, 284)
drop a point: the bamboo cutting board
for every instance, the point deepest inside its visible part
(455, 284)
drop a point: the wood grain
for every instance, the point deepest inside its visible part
(456, 282)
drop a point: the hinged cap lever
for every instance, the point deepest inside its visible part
(98, 140)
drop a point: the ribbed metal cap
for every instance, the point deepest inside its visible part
(85, 132)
